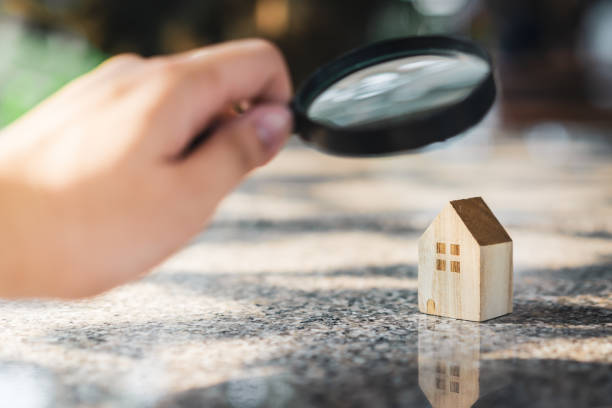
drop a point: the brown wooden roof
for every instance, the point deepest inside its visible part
(480, 221)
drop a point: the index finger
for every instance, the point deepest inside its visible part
(226, 74)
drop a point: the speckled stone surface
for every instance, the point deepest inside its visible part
(302, 293)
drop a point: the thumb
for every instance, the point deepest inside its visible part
(236, 148)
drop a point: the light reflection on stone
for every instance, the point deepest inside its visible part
(25, 386)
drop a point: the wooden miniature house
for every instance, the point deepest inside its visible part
(465, 263)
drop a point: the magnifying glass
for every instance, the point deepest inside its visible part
(391, 97)
(395, 96)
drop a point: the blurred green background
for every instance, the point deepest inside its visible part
(553, 57)
(34, 64)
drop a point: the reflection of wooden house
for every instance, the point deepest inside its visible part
(448, 366)
(450, 372)
(465, 263)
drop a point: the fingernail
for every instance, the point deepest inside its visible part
(272, 128)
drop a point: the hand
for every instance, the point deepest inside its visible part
(96, 184)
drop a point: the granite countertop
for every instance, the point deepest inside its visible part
(302, 292)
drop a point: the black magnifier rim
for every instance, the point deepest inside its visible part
(399, 135)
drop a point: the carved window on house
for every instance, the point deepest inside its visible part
(442, 257)
(454, 387)
(455, 370)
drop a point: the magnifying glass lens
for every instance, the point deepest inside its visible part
(400, 88)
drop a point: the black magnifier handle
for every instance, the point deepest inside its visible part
(297, 124)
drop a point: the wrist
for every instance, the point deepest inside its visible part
(11, 238)
(22, 231)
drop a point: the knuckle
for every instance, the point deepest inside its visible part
(210, 72)
(275, 56)
(165, 68)
(116, 78)
(262, 44)
(266, 47)
(122, 59)
(168, 75)
(160, 78)
(119, 88)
